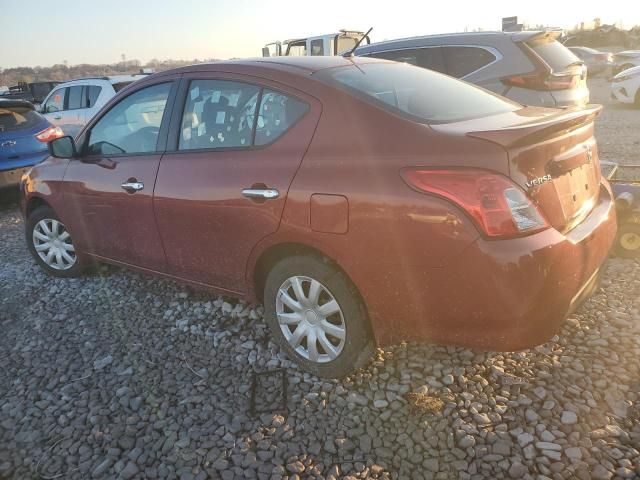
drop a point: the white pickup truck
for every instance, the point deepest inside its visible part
(329, 44)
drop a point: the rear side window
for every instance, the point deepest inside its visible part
(317, 47)
(218, 114)
(75, 98)
(461, 61)
(554, 54)
(55, 103)
(91, 92)
(222, 114)
(428, 57)
(278, 112)
(417, 93)
(15, 118)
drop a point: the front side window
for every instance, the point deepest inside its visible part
(420, 94)
(55, 103)
(462, 61)
(218, 114)
(132, 125)
(75, 98)
(297, 49)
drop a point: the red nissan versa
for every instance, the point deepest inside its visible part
(362, 201)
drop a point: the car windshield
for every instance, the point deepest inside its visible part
(15, 118)
(423, 95)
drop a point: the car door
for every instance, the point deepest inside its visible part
(73, 115)
(53, 106)
(223, 186)
(109, 189)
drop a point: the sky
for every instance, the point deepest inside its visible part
(44, 33)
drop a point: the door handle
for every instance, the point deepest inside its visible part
(132, 187)
(261, 193)
(58, 117)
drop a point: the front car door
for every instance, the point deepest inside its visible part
(223, 186)
(109, 190)
(53, 106)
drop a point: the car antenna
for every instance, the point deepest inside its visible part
(349, 54)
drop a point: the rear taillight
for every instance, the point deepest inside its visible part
(542, 80)
(497, 206)
(49, 134)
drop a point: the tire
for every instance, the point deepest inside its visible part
(628, 240)
(637, 101)
(335, 356)
(36, 235)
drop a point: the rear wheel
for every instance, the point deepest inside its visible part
(51, 245)
(317, 317)
(628, 240)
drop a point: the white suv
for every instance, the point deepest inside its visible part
(72, 104)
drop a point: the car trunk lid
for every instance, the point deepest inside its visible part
(552, 155)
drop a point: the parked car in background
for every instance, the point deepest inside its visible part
(362, 201)
(532, 68)
(24, 134)
(625, 60)
(625, 86)
(72, 104)
(595, 60)
(34, 92)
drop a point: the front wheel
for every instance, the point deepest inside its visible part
(51, 245)
(316, 315)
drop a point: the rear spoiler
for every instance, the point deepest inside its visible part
(540, 130)
(536, 35)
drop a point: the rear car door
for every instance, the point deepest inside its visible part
(73, 115)
(233, 149)
(109, 190)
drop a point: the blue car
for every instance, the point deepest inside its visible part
(24, 134)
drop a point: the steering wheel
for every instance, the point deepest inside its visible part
(143, 140)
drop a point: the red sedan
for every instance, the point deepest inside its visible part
(364, 202)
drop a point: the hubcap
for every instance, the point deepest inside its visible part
(310, 319)
(52, 242)
(630, 241)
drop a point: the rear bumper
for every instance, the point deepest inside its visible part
(505, 295)
(11, 178)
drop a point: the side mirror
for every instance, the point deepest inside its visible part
(63, 147)
(266, 52)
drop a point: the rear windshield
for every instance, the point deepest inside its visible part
(554, 54)
(421, 94)
(15, 118)
(119, 86)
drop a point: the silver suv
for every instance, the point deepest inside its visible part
(532, 68)
(72, 104)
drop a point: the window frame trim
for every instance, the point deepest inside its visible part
(173, 140)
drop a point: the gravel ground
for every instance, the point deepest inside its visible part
(119, 375)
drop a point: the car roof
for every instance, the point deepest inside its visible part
(113, 79)
(303, 65)
(8, 103)
(462, 37)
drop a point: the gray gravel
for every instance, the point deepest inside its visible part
(119, 375)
